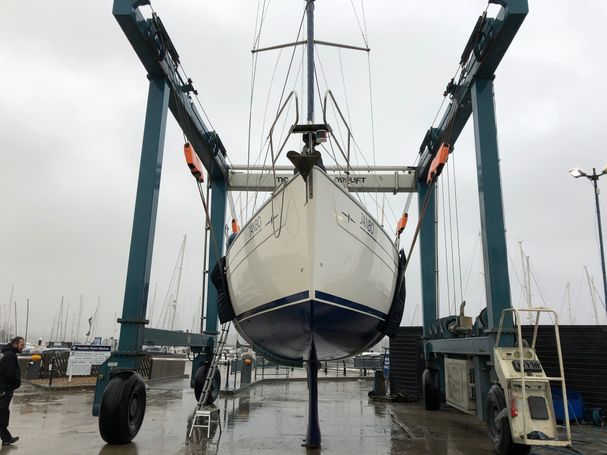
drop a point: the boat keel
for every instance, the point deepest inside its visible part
(313, 434)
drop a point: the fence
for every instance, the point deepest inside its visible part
(54, 365)
(261, 369)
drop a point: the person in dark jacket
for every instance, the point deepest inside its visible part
(10, 380)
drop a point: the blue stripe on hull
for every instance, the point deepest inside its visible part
(349, 303)
(274, 304)
(288, 331)
(304, 295)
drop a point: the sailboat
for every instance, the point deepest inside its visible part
(312, 272)
(312, 276)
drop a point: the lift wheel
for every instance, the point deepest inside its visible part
(122, 408)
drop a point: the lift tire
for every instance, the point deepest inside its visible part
(122, 408)
(199, 379)
(431, 381)
(499, 432)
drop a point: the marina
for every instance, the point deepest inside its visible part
(337, 304)
(262, 420)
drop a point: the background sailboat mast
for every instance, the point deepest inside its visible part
(569, 303)
(310, 49)
(174, 306)
(77, 337)
(596, 313)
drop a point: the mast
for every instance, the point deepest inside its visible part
(79, 318)
(67, 314)
(526, 279)
(60, 321)
(310, 49)
(569, 302)
(27, 317)
(529, 288)
(174, 306)
(16, 327)
(413, 318)
(53, 328)
(115, 325)
(153, 303)
(95, 316)
(8, 311)
(596, 313)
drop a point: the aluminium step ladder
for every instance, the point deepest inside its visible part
(206, 412)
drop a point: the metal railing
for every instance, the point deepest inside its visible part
(260, 369)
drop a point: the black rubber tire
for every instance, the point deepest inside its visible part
(122, 408)
(499, 432)
(431, 380)
(199, 379)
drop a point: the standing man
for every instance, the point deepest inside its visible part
(10, 380)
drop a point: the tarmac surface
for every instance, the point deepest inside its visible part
(267, 418)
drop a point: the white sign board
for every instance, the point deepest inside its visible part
(84, 356)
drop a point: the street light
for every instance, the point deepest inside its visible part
(594, 178)
(577, 172)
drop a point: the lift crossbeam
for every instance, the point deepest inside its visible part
(378, 179)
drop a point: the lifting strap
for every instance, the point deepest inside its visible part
(438, 163)
(193, 162)
(436, 167)
(196, 169)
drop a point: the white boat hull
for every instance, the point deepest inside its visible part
(312, 271)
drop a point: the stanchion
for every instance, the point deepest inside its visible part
(228, 376)
(50, 371)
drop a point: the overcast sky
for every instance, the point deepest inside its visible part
(72, 106)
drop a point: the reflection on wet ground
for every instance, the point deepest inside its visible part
(265, 419)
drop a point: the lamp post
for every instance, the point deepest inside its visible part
(594, 178)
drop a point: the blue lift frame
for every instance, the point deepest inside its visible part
(473, 94)
(167, 90)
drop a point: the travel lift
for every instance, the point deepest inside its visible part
(120, 393)
(487, 368)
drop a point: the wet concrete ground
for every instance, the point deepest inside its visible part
(265, 419)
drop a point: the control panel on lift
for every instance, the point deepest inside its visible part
(531, 366)
(511, 362)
